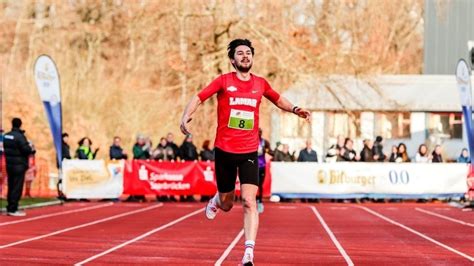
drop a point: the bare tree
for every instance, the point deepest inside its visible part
(129, 66)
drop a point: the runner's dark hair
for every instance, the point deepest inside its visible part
(237, 42)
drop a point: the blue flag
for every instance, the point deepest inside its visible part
(49, 87)
(463, 80)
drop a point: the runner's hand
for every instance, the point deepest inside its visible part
(183, 126)
(303, 113)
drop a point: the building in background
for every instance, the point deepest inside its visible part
(412, 109)
(449, 26)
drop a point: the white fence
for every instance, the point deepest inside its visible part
(374, 180)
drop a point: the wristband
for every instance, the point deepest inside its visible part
(294, 109)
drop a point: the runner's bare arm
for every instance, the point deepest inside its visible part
(286, 105)
(188, 112)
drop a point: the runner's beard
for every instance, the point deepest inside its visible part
(242, 68)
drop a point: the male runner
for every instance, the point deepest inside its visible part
(238, 100)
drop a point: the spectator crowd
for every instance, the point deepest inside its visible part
(167, 150)
(342, 151)
(372, 151)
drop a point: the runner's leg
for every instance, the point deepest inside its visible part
(226, 175)
(249, 192)
(248, 175)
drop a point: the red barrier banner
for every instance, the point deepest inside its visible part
(143, 177)
(169, 178)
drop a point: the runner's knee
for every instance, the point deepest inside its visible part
(227, 206)
(226, 201)
(249, 203)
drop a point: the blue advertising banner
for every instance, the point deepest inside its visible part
(463, 80)
(49, 87)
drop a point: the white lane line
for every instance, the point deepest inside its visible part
(139, 237)
(444, 217)
(416, 233)
(80, 226)
(41, 204)
(333, 237)
(229, 248)
(443, 209)
(56, 214)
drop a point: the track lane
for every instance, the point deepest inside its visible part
(53, 212)
(290, 234)
(444, 209)
(369, 240)
(445, 217)
(74, 246)
(21, 231)
(195, 241)
(33, 212)
(457, 236)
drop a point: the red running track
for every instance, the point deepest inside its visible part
(290, 234)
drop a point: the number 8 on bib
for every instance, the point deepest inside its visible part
(242, 120)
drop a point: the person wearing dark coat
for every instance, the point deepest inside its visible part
(116, 152)
(437, 157)
(206, 154)
(378, 149)
(367, 154)
(464, 156)
(188, 150)
(65, 149)
(17, 150)
(170, 143)
(350, 155)
(394, 155)
(284, 155)
(308, 154)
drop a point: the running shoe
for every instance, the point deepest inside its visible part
(211, 209)
(260, 207)
(17, 213)
(247, 260)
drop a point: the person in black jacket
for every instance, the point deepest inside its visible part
(66, 150)
(350, 155)
(17, 150)
(308, 154)
(116, 152)
(207, 154)
(378, 149)
(367, 154)
(188, 150)
(172, 145)
(437, 157)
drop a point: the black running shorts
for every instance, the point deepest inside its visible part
(227, 164)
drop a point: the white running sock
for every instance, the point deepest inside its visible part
(249, 246)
